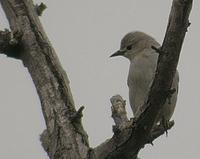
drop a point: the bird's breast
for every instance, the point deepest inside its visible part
(141, 72)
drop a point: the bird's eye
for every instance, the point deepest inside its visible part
(129, 47)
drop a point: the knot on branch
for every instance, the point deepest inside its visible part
(45, 140)
(76, 122)
(76, 117)
(40, 8)
(9, 43)
(119, 114)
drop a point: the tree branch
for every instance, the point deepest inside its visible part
(119, 114)
(123, 134)
(5, 38)
(64, 138)
(9, 45)
(141, 132)
(40, 8)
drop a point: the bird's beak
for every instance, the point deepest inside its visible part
(118, 53)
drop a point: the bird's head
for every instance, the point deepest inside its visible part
(133, 44)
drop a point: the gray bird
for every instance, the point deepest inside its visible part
(137, 47)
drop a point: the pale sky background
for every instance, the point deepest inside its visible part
(84, 34)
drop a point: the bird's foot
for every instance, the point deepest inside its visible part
(165, 124)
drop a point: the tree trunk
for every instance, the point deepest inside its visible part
(64, 137)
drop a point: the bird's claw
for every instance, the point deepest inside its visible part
(165, 124)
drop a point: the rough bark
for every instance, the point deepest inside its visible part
(64, 137)
(142, 132)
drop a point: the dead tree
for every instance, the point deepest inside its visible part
(65, 137)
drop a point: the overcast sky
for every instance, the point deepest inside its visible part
(84, 34)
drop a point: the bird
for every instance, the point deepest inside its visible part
(136, 46)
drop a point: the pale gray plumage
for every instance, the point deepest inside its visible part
(137, 47)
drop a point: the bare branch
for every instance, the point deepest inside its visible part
(119, 113)
(9, 44)
(160, 91)
(40, 8)
(123, 134)
(63, 138)
(122, 130)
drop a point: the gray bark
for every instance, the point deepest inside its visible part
(64, 137)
